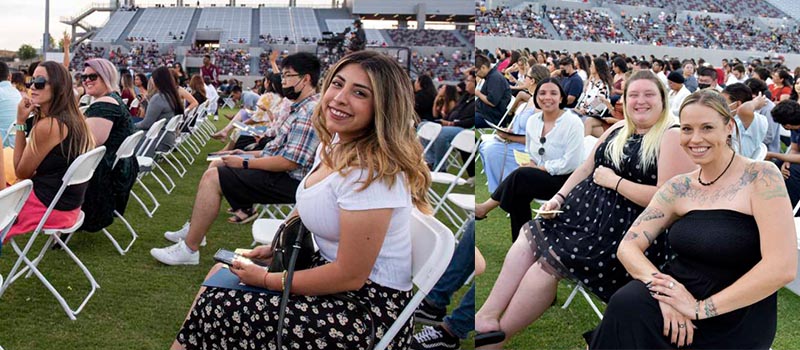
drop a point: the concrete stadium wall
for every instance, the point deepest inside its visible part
(713, 56)
(432, 7)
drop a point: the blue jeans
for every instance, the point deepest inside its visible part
(440, 145)
(462, 320)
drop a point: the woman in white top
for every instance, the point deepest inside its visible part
(554, 141)
(357, 201)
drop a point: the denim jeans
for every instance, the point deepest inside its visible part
(462, 320)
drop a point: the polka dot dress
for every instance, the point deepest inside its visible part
(581, 243)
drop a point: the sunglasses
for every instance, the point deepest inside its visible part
(90, 77)
(542, 140)
(38, 83)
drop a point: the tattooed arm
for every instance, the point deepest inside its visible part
(672, 160)
(772, 210)
(648, 226)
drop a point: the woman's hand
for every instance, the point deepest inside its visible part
(677, 327)
(668, 290)
(605, 177)
(260, 252)
(24, 109)
(249, 273)
(552, 204)
(233, 161)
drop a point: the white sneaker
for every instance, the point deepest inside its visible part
(180, 235)
(176, 254)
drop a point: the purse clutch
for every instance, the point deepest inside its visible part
(286, 241)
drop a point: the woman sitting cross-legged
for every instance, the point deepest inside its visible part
(59, 135)
(497, 154)
(599, 202)
(357, 201)
(554, 141)
(733, 236)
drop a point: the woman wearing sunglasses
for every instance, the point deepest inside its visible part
(554, 142)
(58, 136)
(110, 122)
(600, 200)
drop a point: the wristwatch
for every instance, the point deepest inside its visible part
(21, 127)
(245, 164)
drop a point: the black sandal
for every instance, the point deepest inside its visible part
(489, 338)
(250, 213)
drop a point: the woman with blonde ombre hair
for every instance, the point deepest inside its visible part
(597, 204)
(357, 201)
(58, 136)
(732, 240)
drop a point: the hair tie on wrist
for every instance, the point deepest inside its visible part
(562, 196)
(616, 188)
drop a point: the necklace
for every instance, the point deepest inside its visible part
(720, 175)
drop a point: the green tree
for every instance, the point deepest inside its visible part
(26, 52)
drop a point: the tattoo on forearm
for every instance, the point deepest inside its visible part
(648, 214)
(710, 309)
(631, 235)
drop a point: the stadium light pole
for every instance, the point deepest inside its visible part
(46, 35)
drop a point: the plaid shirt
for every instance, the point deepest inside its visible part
(296, 139)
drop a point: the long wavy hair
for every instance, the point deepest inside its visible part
(64, 109)
(652, 139)
(166, 85)
(389, 146)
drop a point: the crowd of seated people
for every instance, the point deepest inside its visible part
(145, 58)
(502, 21)
(667, 30)
(423, 37)
(440, 66)
(734, 7)
(584, 25)
(744, 34)
(229, 61)
(269, 39)
(85, 52)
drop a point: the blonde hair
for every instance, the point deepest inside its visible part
(712, 99)
(389, 146)
(651, 141)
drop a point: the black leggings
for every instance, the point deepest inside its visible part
(519, 189)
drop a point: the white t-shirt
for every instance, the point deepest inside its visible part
(319, 207)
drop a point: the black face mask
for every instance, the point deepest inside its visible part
(564, 73)
(291, 92)
(703, 86)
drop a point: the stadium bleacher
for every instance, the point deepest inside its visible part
(161, 25)
(235, 23)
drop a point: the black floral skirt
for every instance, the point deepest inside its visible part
(234, 319)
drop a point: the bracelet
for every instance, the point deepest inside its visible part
(562, 196)
(697, 310)
(21, 127)
(616, 188)
(265, 279)
(283, 280)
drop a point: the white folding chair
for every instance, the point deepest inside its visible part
(467, 203)
(126, 150)
(9, 133)
(228, 101)
(762, 152)
(80, 171)
(579, 288)
(588, 145)
(173, 126)
(12, 199)
(464, 141)
(432, 247)
(146, 164)
(429, 132)
(151, 163)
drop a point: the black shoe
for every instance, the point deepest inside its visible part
(489, 338)
(434, 338)
(429, 314)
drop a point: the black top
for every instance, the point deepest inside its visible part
(47, 179)
(199, 97)
(464, 112)
(423, 105)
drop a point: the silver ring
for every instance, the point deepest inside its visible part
(671, 285)
(681, 325)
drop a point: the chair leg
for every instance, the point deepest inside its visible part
(147, 211)
(180, 173)
(114, 241)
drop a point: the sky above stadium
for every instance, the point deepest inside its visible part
(22, 21)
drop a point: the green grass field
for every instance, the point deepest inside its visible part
(141, 303)
(562, 329)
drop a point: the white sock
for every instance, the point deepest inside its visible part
(186, 246)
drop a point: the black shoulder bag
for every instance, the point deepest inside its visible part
(292, 249)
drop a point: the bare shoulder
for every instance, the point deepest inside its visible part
(679, 186)
(764, 178)
(107, 99)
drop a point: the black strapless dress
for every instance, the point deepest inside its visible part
(713, 248)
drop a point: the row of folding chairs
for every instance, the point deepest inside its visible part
(80, 171)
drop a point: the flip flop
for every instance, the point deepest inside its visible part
(489, 338)
(250, 216)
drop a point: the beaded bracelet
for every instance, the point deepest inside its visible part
(697, 310)
(283, 280)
